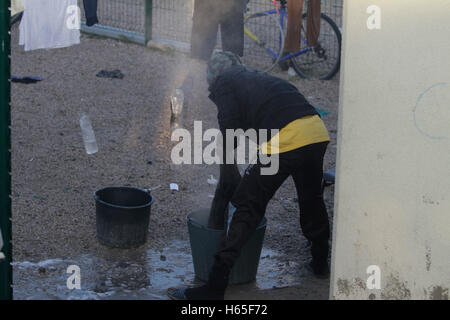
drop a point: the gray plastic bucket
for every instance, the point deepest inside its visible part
(122, 216)
(205, 242)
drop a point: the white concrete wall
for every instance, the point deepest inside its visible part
(393, 173)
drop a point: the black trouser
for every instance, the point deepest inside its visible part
(255, 191)
(208, 15)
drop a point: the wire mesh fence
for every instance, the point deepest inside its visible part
(171, 20)
(263, 42)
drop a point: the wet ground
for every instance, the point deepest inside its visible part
(146, 274)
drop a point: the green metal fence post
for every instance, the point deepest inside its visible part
(148, 20)
(5, 153)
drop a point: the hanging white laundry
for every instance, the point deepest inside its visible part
(49, 24)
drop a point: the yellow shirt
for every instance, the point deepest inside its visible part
(297, 134)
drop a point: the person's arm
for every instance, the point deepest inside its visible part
(228, 183)
(229, 118)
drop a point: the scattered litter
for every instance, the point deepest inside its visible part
(322, 112)
(90, 143)
(115, 74)
(329, 176)
(26, 79)
(173, 186)
(212, 180)
(291, 72)
(177, 101)
(154, 188)
(211, 196)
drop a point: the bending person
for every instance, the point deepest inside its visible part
(247, 99)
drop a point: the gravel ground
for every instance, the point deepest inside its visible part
(54, 179)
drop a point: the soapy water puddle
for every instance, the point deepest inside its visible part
(135, 274)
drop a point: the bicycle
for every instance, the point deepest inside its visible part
(265, 39)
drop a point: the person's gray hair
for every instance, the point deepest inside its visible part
(219, 62)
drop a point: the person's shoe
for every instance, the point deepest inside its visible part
(284, 64)
(198, 293)
(320, 271)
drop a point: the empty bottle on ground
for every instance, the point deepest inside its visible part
(90, 143)
(176, 102)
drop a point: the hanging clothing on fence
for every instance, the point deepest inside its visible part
(208, 15)
(90, 11)
(49, 24)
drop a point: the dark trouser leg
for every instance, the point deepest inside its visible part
(232, 27)
(313, 214)
(250, 200)
(204, 29)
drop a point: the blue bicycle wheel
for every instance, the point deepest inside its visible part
(323, 61)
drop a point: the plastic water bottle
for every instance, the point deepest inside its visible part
(176, 102)
(90, 143)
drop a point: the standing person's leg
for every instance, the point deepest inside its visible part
(204, 29)
(250, 199)
(313, 213)
(232, 27)
(294, 26)
(313, 22)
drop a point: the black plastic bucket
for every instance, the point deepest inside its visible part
(206, 241)
(122, 216)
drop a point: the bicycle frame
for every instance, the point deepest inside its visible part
(283, 16)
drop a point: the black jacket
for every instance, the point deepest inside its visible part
(250, 99)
